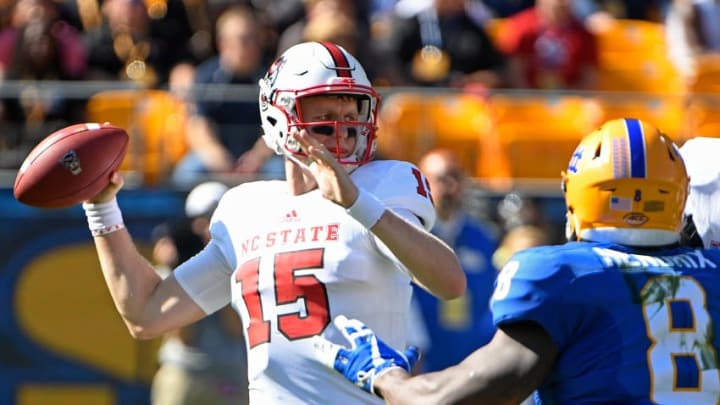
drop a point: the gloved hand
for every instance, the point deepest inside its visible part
(368, 356)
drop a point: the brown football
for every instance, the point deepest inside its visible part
(71, 165)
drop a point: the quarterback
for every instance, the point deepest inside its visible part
(341, 235)
(621, 314)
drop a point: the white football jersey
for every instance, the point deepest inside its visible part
(290, 264)
(700, 156)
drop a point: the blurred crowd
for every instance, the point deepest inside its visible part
(205, 45)
(198, 53)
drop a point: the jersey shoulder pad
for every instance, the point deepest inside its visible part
(532, 286)
(535, 268)
(398, 184)
(249, 196)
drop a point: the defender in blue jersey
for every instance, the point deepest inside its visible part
(622, 314)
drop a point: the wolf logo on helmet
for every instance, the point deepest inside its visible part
(626, 183)
(311, 69)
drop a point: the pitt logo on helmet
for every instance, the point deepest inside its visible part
(625, 183)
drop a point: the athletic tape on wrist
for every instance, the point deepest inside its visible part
(103, 218)
(367, 209)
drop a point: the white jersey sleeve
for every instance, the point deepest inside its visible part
(704, 171)
(205, 276)
(401, 186)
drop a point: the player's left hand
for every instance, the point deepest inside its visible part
(368, 356)
(332, 179)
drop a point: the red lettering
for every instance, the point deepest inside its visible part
(300, 235)
(332, 232)
(285, 234)
(270, 239)
(315, 231)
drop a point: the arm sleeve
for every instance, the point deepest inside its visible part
(206, 276)
(206, 279)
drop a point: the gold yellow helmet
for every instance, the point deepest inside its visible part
(626, 183)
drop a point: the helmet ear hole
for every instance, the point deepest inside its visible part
(272, 121)
(598, 150)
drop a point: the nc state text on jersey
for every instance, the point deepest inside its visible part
(291, 236)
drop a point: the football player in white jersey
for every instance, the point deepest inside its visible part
(342, 235)
(702, 212)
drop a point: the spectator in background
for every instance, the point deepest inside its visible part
(324, 11)
(205, 362)
(38, 45)
(137, 43)
(441, 45)
(516, 239)
(346, 29)
(223, 134)
(455, 328)
(505, 8)
(516, 210)
(549, 48)
(593, 11)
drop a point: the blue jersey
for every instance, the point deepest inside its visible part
(632, 326)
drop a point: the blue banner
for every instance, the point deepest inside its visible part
(61, 339)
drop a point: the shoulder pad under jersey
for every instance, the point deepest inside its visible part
(538, 284)
(400, 185)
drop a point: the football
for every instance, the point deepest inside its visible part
(70, 165)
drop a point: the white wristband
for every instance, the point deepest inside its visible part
(103, 218)
(366, 209)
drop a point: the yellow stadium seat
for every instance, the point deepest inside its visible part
(633, 58)
(643, 72)
(155, 121)
(411, 124)
(703, 117)
(666, 112)
(403, 127)
(707, 76)
(535, 135)
(632, 36)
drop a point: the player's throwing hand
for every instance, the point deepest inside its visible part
(331, 177)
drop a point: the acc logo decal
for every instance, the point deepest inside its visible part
(635, 218)
(71, 162)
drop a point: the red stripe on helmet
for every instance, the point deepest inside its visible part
(342, 66)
